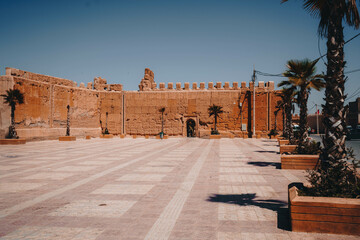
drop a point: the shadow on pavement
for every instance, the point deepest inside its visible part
(249, 200)
(266, 164)
(261, 151)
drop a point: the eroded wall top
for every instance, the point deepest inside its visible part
(98, 84)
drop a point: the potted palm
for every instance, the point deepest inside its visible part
(67, 137)
(302, 76)
(13, 97)
(331, 203)
(215, 111)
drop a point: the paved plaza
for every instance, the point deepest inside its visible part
(179, 188)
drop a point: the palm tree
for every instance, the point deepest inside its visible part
(287, 98)
(334, 177)
(331, 15)
(301, 75)
(13, 97)
(162, 110)
(216, 111)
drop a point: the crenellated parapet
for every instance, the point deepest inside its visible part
(148, 84)
(269, 86)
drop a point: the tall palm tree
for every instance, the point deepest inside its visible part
(162, 110)
(216, 111)
(301, 75)
(331, 15)
(13, 97)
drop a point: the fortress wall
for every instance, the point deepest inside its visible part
(44, 113)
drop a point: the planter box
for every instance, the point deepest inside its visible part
(12, 141)
(287, 148)
(283, 142)
(122, 135)
(324, 214)
(88, 137)
(106, 136)
(300, 162)
(67, 138)
(146, 136)
(215, 136)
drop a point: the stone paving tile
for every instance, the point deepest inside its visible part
(245, 213)
(155, 169)
(94, 208)
(74, 168)
(238, 170)
(142, 177)
(53, 233)
(123, 189)
(49, 175)
(242, 178)
(8, 167)
(102, 162)
(13, 187)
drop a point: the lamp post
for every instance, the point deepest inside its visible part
(253, 80)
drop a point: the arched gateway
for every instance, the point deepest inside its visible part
(190, 128)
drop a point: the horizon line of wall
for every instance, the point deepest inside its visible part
(101, 84)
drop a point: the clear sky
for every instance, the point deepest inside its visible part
(181, 41)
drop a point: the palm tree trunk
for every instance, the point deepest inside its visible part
(334, 111)
(285, 132)
(68, 121)
(215, 122)
(12, 132)
(303, 133)
(289, 129)
(162, 122)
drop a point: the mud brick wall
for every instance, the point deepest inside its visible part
(44, 113)
(142, 114)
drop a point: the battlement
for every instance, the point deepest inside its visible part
(148, 84)
(268, 86)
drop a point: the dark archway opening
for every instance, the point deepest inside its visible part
(190, 128)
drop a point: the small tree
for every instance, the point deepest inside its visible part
(216, 111)
(13, 97)
(162, 110)
(68, 121)
(301, 75)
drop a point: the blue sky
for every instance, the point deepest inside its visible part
(181, 41)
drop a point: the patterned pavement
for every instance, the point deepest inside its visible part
(146, 189)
